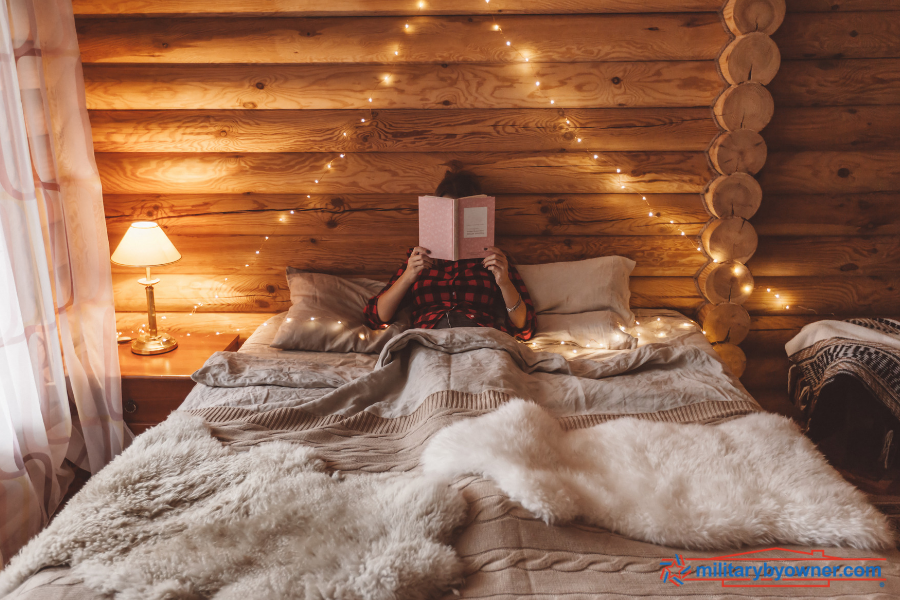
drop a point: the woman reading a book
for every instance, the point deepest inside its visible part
(474, 292)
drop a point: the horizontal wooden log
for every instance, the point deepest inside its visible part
(613, 129)
(735, 195)
(235, 214)
(746, 106)
(826, 256)
(828, 6)
(813, 215)
(741, 151)
(824, 296)
(842, 82)
(382, 7)
(396, 40)
(199, 324)
(747, 16)
(570, 85)
(831, 172)
(268, 293)
(845, 35)
(399, 173)
(381, 256)
(751, 57)
(834, 128)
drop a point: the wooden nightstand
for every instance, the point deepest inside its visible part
(154, 386)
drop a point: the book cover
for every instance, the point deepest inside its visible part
(455, 229)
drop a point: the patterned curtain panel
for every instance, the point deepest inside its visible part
(57, 318)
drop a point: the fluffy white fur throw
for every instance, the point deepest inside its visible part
(178, 515)
(754, 480)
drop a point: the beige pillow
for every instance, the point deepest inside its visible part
(581, 286)
(326, 315)
(601, 329)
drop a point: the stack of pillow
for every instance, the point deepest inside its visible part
(582, 303)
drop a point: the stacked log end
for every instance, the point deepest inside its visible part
(747, 63)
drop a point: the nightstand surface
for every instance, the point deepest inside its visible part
(154, 386)
(191, 353)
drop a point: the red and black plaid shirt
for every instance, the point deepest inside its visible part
(462, 286)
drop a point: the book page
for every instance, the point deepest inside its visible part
(475, 222)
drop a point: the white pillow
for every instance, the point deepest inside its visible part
(601, 329)
(581, 286)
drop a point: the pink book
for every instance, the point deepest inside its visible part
(455, 229)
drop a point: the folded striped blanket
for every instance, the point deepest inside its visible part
(868, 350)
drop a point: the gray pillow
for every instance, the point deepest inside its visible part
(581, 286)
(326, 315)
(596, 330)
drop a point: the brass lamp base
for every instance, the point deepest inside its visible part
(146, 344)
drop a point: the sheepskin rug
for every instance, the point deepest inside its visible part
(179, 515)
(749, 481)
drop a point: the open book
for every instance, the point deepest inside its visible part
(455, 229)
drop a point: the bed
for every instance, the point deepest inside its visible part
(374, 414)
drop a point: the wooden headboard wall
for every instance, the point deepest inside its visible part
(217, 119)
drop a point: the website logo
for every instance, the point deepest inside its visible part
(772, 567)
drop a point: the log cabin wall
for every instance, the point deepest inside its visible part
(829, 222)
(215, 118)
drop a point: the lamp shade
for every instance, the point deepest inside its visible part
(145, 245)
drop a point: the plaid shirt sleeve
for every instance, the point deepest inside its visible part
(528, 330)
(370, 312)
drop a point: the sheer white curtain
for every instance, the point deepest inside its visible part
(57, 320)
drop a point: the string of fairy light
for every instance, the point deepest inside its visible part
(568, 124)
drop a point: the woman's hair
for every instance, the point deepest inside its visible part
(458, 184)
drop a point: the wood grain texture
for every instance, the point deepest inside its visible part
(571, 85)
(201, 325)
(398, 173)
(381, 256)
(729, 239)
(427, 39)
(259, 293)
(745, 106)
(825, 295)
(839, 5)
(826, 256)
(750, 57)
(723, 282)
(835, 128)
(844, 82)
(561, 214)
(876, 213)
(741, 151)
(452, 130)
(747, 16)
(382, 7)
(844, 35)
(735, 195)
(821, 172)
(725, 322)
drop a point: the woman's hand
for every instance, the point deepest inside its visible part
(418, 261)
(497, 263)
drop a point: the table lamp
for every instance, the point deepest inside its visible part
(145, 245)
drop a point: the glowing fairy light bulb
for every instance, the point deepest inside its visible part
(496, 27)
(553, 102)
(507, 43)
(257, 251)
(317, 181)
(312, 318)
(651, 214)
(623, 187)
(396, 53)
(406, 26)
(537, 83)
(786, 307)
(370, 99)
(618, 170)
(362, 120)
(768, 289)
(342, 156)
(682, 233)
(596, 156)
(699, 249)
(579, 140)
(362, 336)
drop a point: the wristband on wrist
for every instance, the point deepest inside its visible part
(509, 310)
